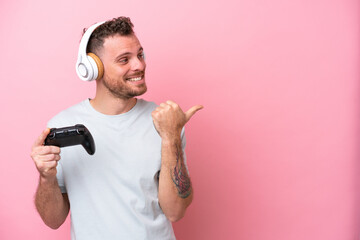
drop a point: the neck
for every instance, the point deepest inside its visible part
(111, 105)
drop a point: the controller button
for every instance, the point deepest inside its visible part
(80, 131)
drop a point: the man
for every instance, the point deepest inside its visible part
(137, 181)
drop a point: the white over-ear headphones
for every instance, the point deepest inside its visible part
(88, 66)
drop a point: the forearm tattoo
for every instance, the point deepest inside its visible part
(180, 176)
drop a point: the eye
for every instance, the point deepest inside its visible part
(123, 60)
(141, 55)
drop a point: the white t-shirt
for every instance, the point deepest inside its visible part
(113, 194)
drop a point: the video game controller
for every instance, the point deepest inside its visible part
(69, 136)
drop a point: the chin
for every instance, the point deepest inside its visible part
(139, 92)
(143, 91)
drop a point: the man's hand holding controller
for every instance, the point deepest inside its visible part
(52, 205)
(45, 157)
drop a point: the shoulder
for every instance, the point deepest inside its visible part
(146, 105)
(63, 117)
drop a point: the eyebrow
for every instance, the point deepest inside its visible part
(127, 53)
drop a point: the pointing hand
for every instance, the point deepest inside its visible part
(169, 119)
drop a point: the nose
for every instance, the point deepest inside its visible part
(138, 64)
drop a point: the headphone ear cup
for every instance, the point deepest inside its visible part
(98, 67)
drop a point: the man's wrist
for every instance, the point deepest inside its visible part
(171, 137)
(170, 140)
(47, 181)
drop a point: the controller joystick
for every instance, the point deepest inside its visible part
(70, 136)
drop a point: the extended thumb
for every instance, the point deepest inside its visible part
(189, 113)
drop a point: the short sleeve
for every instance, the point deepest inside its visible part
(60, 178)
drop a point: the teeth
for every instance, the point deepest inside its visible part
(134, 79)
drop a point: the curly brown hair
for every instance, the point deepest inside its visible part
(120, 25)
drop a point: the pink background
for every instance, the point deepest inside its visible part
(274, 154)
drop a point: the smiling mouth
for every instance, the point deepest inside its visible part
(135, 79)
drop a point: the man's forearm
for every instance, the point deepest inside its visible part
(175, 190)
(52, 206)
